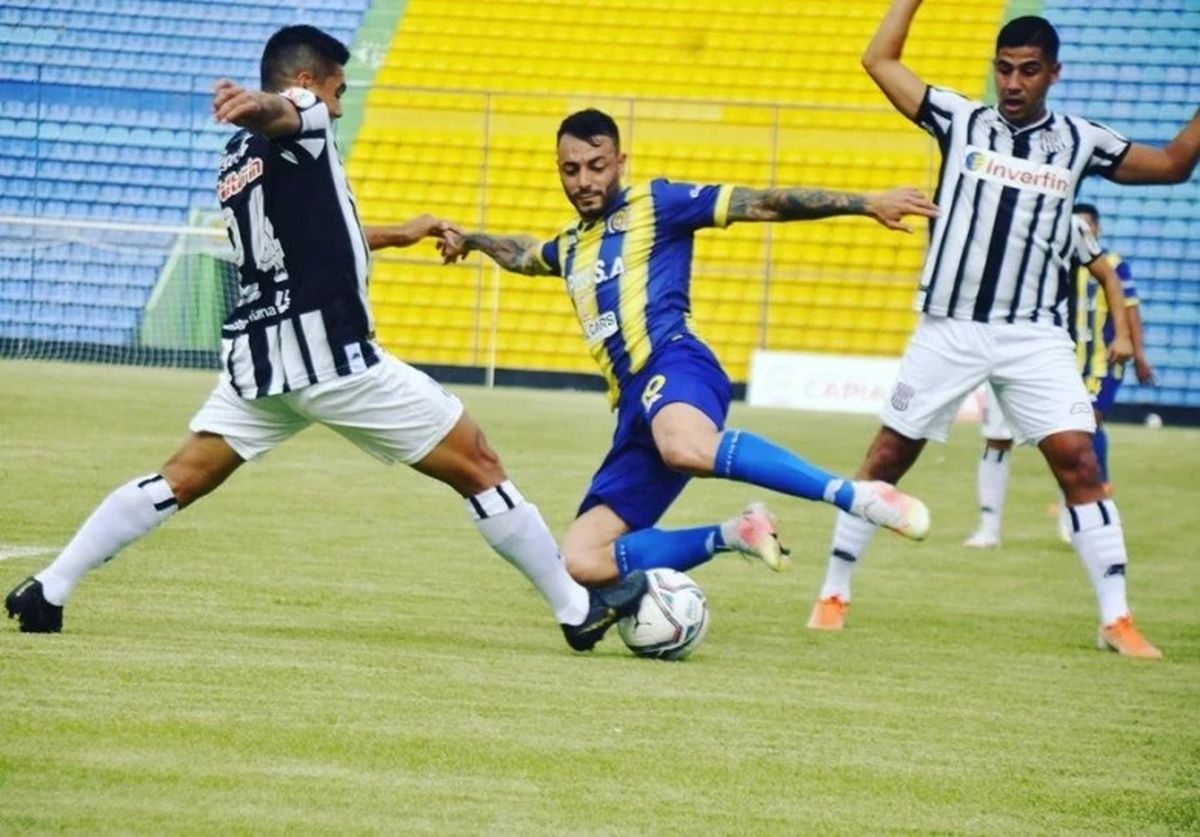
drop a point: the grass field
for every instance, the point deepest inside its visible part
(325, 645)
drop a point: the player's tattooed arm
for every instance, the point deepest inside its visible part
(268, 114)
(888, 208)
(515, 253)
(792, 204)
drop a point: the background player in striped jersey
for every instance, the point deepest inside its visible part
(992, 308)
(299, 348)
(627, 264)
(1119, 338)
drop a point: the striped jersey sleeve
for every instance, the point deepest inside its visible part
(1108, 148)
(309, 143)
(938, 109)
(686, 207)
(548, 255)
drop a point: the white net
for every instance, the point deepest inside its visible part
(113, 292)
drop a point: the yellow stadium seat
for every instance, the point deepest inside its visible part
(683, 71)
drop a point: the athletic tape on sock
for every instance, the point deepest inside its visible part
(493, 501)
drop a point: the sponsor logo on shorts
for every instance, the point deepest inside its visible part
(1016, 173)
(901, 396)
(1080, 407)
(653, 391)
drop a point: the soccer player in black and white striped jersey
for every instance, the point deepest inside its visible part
(299, 348)
(994, 290)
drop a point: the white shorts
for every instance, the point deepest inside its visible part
(1031, 367)
(392, 411)
(993, 424)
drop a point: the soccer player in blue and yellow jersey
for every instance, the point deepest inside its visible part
(627, 262)
(1095, 331)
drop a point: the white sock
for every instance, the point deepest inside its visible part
(515, 529)
(993, 486)
(133, 510)
(850, 538)
(1097, 536)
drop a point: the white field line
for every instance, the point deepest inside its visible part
(8, 551)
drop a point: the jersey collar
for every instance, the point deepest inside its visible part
(1044, 122)
(618, 203)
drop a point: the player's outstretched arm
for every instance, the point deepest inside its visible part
(410, 232)
(268, 114)
(1120, 349)
(904, 88)
(1171, 164)
(888, 208)
(514, 253)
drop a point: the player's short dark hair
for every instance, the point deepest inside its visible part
(589, 124)
(1031, 31)
(1087, 209)
(296, 48)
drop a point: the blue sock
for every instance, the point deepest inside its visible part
(1100, 443)
(680, 549)
(748, 458)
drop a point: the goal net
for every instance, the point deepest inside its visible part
(113, 292)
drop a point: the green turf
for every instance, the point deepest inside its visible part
(325, 645)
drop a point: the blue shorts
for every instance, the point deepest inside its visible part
(1104, 389)
(633, 480)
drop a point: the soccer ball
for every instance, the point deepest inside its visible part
(671, 620)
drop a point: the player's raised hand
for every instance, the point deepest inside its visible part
(889, 208)
(232, 102)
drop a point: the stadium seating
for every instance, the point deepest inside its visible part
(104, 117)
(704, 92)
(1148, 95)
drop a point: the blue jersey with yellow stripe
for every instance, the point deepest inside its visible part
(629, 272)
(1096, 329)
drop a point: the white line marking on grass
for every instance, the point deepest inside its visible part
(8, 551)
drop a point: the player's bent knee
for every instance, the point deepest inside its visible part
(1074, 463)
(686, 457)
(590, 568)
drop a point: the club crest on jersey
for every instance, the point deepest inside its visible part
(618, 222)
(1016, 173)
(1051, 142)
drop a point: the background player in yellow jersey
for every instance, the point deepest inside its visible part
(627, 264)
